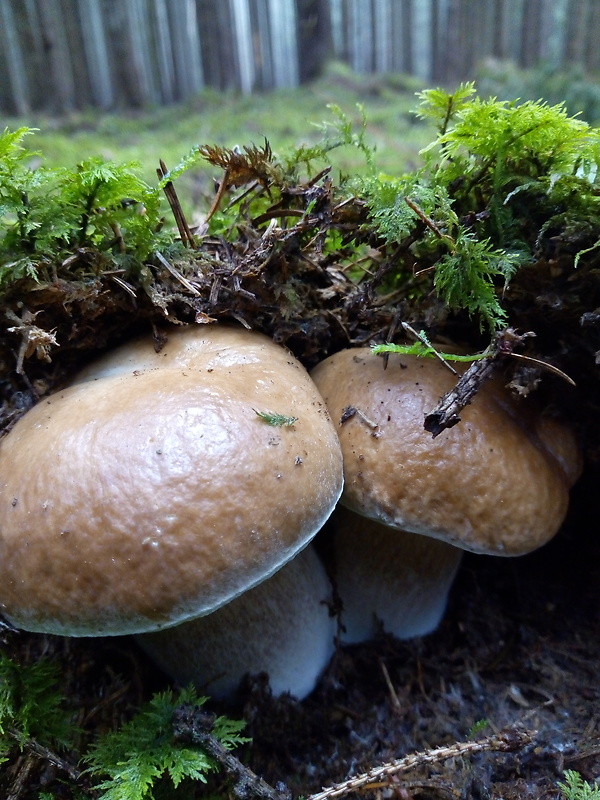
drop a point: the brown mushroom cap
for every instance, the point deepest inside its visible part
(496, 483)
(150, 491)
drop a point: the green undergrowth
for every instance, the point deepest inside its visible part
(575, 787)
(462, 211)
(144, 758)
(140, 759)
(31, 707)
(571, 84)
(493, 165)
(499, 227)
(47, 214)
(227, 118)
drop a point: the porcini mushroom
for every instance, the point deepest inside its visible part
(282, 626)
(496, 483)
(389, 578)
(159, 486)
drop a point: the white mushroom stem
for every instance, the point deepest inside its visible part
(282, 627)
(388, 578)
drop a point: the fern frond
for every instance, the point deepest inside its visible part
(575, 788)
(441, 106)
(464, 278)
(143, 751)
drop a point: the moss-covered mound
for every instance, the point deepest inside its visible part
(499, 229)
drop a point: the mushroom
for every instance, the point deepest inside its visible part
(389, 578)
(282, 626)
(497, 483)
(160, 486)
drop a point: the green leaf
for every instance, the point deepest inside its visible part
(424, 351)
(277, 420)
(464, 278)
(442, 106)
(575, 788)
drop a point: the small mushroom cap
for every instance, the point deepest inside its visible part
(497, 483)
(151, 491)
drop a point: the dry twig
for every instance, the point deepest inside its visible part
(194, 725)
(446, 413)
(185, 232)
(505, 741)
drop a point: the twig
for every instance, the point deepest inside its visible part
(505, 741)
(420, 335)
(390, 335)
(124, 285)
(48, 755)
(185, 233)
(18, 785)
(388, 681)
(176, 274)
(429, 222)
(350, 411)
(194, 725)
(447, 412)
(222, 188)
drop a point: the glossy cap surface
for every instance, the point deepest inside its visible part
(150, 491)
(498, 482)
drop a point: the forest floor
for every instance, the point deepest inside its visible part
(519, 648)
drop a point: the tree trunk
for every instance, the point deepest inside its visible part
(338, 28)
(439, 38)
(455, 62)
(62, 97)
(140, 52)
(531, 39)
(14, 59)
(384, 44)
(421, 39)
(577, 28)
(592, 55)
(96, 53)
(242, 28)
(284, 48)
(164, 52)
(263, 54)
(187, 49)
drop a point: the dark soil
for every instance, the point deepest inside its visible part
(519, 646)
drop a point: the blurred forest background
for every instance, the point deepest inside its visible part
(62, 55)
(149, 79)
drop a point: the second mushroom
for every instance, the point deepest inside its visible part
(497, 483)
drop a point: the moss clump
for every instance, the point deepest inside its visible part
(500, 227)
